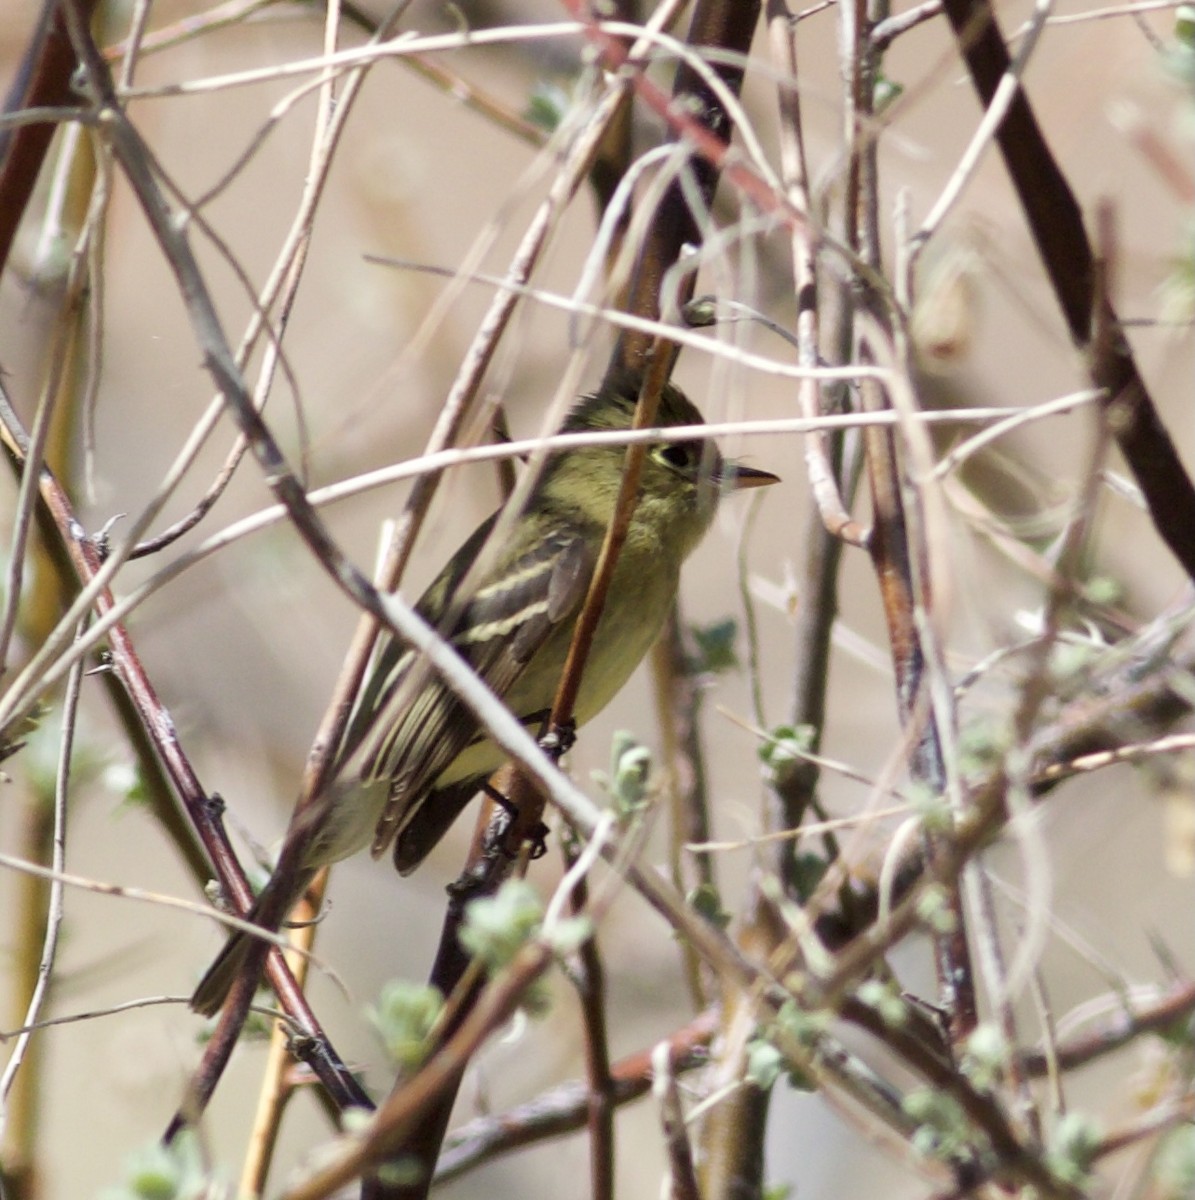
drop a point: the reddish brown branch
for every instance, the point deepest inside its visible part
(1166, 1014)
(157, 726)
(694, 112)
(565, 1108)
(408, 1106)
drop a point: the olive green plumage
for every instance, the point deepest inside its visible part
(412, 754)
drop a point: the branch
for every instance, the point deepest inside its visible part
(1056, 223)
(43, 81)
(564, 1109)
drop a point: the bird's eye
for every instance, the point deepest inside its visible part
(680, 456)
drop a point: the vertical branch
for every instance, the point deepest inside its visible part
(43, 81)
(157, 728)
(678, 706)
(42, 904)
(591, 987)
(276, 1088)
(451, 963)
(891, 552)
(727, 25)
(682, 1181)
(831, 525)
(892, 561)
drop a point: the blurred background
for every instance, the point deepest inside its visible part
(244, 647)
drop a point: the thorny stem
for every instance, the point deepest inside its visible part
(152, 718)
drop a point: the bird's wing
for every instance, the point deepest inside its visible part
(414, 737)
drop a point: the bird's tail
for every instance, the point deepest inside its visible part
(268, 911)
(208, 998)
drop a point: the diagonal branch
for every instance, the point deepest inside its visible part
(154, 721)
(1056, 223)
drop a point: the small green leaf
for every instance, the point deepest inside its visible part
(497, 927)
(1070, 659)
(547, 105)
(630, 767)
(356, 1120)
(886, 93)
(406, 1171)
(706, 900)
(127, 780)
(570, 933)
(805, 872)
(714, 643)
(1104, 590)
(786, 747)
(942, 1128)
(803, 1025)
(982, 745)
(1178, 289)
(1174, 1167)
(797, 1025)
(405, 1016)
(932, 807)
(887, 1001)
(985, 1057)
(1184, 25)
(1072, 1148)
(765, 1064)
(163, 1172)
(933, 909)
(701, 312)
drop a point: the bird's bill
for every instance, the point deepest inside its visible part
(736, 477)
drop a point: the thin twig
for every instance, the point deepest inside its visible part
(276, 1088)
(591, 988)
(678, 694)
(158, 725)
(682, 1177)
(885, 32)
(1166, 1012)
(279, 291)
(819, 459)
(55, 906)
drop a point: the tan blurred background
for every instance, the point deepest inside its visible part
(245, 647)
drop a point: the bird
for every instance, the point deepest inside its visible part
(412, 755)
